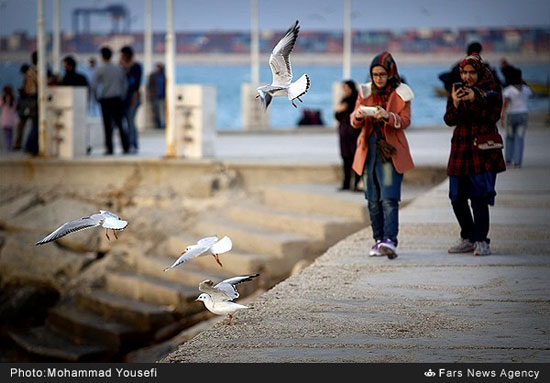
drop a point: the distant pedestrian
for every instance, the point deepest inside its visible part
(72, 77)
(22, 111)
(29, 104)
(515, 117)
(93, 106)
(8, 117)
(382, 153)
(132, 100)
(109, 87)
(156, 91)
(473, 109)
(347, 134)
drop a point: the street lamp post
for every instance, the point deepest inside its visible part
(170, 81)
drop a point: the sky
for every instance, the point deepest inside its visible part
(321, 15)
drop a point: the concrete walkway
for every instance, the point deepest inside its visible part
(424, 306)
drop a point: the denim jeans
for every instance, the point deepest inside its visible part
(130, 116)
(515, 137)
(384, 219)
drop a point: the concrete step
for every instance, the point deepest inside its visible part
(321, 226)
(287, 247)
(143, 316)
(156, 291)
(323, 199)
(48, 344)
(83, 325)
(234, 262)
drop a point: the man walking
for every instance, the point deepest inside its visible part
(109, 87)
(132, 100)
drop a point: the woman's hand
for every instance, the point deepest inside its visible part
(468, 95)
(381, 113)
(456, 95)
(359, 114)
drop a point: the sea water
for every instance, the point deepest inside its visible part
(427, 108)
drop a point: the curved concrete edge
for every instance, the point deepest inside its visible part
(425, 306)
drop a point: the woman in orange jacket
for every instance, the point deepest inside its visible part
(383, 112)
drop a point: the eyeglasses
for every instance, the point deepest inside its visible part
(379, 75)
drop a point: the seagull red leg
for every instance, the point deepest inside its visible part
(217, 259)
(107, 234)
(116, 236)
(230, 318)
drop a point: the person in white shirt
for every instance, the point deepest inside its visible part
(514, 118)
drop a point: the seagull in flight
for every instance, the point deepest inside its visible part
(203, 245)
(105, 218)
(218, 299)
(281, 69)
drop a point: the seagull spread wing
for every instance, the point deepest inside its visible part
(194, 251)
(222, 246)
(216, 294)
(279, 60)
(207, 242)
(227, 286)
(69, 227)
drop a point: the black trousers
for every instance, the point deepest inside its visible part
(112, 110)
(348, 172)
(473, 228)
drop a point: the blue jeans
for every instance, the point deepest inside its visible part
(383, 191)
(130, 116)
(384, 219)
(515, 137)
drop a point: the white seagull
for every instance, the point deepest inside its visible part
(281, 69)
(105, 218)
(218, 299)
(210, 244)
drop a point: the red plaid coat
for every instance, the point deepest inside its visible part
(471, 119)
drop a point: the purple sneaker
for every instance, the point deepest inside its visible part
(389, 248)
(375, 250)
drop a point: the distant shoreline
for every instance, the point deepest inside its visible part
(313, 59)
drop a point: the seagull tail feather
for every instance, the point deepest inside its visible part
(299, 87)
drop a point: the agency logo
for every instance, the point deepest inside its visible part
(429, 373)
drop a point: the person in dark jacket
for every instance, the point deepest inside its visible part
(132, 101)
(347, 134)
(473, 110)
(72, 77)
(449, 78)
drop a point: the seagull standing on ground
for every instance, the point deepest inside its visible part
(281, 69)
(202, 246)
(218, 299)
(105, 218)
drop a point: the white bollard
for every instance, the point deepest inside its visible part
(195, 121)
(66, 114)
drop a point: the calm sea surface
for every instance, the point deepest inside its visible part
(427, 108)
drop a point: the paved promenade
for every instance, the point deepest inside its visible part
(424, 306)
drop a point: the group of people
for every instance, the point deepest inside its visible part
(373, 118)
(115, 87)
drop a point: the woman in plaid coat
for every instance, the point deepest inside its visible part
(473, 108)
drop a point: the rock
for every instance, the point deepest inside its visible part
(50, 265)
(10, 209)
(44, 219)
(20, 304)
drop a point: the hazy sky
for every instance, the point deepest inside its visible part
(278, 14)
